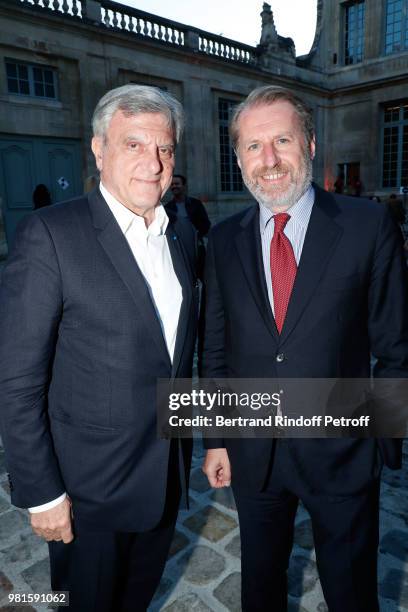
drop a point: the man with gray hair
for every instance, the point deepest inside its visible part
(98, 299)
(305, 284)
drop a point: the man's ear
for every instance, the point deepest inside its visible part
(97, 146)
(238, 160)
(312, 148)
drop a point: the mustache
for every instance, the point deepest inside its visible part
(271, 170)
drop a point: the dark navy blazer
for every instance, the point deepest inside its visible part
(81, 349)
(350, 300)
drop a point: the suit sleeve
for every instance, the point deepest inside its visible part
(189, 239)
(388, 303)
(198, 216)
(205, 223)
(211, 363)
(30, 311)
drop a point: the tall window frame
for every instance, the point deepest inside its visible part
(395, 145)
(354, 32)
(230, 174)
(396, 26)
(31, 80)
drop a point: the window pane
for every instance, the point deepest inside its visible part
(37, 72)
(229, 171)
(354, 32)
(30, 80)
(24, 88)
(23, 72)
(395, 151)
(49, 91)
(48, 76)
(38, 89)
(11, 70)
(394, 26)
(12, 85)
(404, 162)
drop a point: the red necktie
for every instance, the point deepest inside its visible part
(283, 269)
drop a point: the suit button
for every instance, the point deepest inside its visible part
(280, 357)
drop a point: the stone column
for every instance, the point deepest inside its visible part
(199, 137)
(92, 11)
(374, 32)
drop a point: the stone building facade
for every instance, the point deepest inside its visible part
(58, 57)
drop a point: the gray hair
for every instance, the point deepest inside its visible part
(133, 99)
(268, 95)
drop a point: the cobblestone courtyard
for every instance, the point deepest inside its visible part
(202, 573)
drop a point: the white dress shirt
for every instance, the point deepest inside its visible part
(151, 251)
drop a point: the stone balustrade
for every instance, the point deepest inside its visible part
(125, 18)
(226, 48)
(72, 8)
(121, 18)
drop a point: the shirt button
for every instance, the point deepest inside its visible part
(280, 357)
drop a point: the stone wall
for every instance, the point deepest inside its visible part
(91, 59)
(92, 56)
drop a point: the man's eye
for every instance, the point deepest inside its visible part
(283, 140)
(134, 146)
(166, 152)
(253, 147)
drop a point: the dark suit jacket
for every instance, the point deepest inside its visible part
(81, 349)
(349, 300)
(196, 213)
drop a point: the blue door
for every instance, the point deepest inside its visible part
(27, 161)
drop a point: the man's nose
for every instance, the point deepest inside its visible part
(270, 155)
(153, 161)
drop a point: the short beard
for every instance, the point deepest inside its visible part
(285, 200)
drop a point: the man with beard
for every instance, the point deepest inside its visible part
(305, 285)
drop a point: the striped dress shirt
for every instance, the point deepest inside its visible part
(295, 231)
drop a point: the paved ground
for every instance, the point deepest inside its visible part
(202, 573)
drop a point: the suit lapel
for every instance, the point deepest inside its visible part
(180, 265)
(117, 249)
(249, 247)
(321, 239)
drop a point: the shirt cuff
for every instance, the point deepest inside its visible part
(48, 505)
